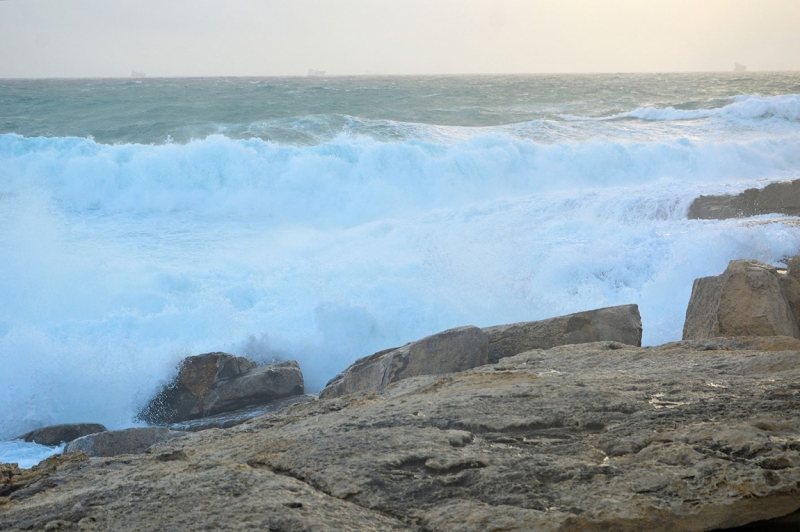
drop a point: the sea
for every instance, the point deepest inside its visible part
(322, 219)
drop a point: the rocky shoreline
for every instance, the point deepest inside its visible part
(565, 424)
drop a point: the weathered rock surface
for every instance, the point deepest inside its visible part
(618, 324)
(691, 436)
(117, 442)
(237, 417)
(58, 434)
(218, 382)
(748, 299)
(779, 198)
(445, 352)
(28, 482)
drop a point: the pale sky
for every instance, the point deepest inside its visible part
(103, 38)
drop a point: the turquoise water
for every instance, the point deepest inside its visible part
(142, 221)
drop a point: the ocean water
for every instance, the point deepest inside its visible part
(323, 219)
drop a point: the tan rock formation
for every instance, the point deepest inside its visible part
(116, 442)
(445, 352)
(747, 299)
(619, 324)
(782, 198)
(691, 436)
(218, 382)
(58, 434)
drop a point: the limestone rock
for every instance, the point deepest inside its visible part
(237, 417)
(748, 299)
(691, 436)
(445, 352)
(58, 434)
(258, 386)
(218, 382)
(116, 442)
(619, 324)
(14, 479)
(782, 198)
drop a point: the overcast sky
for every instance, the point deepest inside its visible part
(91, 38)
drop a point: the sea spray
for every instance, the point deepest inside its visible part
(119, 258)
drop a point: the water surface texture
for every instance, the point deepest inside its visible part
(142, 221)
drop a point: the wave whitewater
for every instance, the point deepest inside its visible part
(743, 107)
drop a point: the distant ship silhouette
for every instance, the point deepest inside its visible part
(137, 74)
(315, 73)
(739, 68)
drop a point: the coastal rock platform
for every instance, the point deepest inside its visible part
(696, 435)
(776, 198)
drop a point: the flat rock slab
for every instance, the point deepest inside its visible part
(689, 436)
(619, 324)
(58, 434)
(449, 351)
(117, 442)
(231, 419)
(775, 198)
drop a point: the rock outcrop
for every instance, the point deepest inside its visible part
(218, 382)
(237, 417)
(618, 324)
(778, 198)
(748, 299)
(692, 436)
(116, 442)
(58, 434)
(445, 352)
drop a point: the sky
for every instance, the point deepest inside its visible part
(102, 38)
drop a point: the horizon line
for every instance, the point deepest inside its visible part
(145, 77)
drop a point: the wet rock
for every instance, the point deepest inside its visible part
(778, 198)
(218, 382)
(446, 352)
(257, 386)
(58, 434)
(117, 442)
(237, 417)
(747, 299)
(619, 324)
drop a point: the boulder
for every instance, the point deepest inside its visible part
(218, 382)
(116, 442)
(747, 299)
(256, 387)
(779, 198)
(692, 436)
(58, 434)
(449, 351)
(618, 324)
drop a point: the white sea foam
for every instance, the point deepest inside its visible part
(119, 260)
(749, 107)
(24, 454)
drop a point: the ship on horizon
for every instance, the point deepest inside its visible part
(737, 67)
(137, 74)
(315, 73)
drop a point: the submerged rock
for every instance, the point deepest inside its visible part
(748, 299)
(619, 324)
(58, 434)
(445, 352)
(115, 442)
(218, 382)
(697, 435)
(779, 198)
